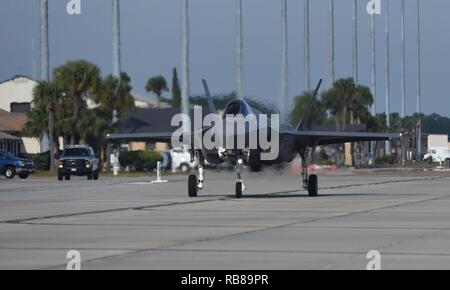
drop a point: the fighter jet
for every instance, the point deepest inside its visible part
(291, 141)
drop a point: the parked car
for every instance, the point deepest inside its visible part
(80, 161)
(10, 166)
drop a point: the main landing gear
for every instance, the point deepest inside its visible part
(310, 182)
(196, 183)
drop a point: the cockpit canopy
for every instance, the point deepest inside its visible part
(237, 107)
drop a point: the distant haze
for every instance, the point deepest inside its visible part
(151, 44)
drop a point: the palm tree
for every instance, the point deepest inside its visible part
(41, 119)
(79, 79)
(347, 101)
(115, 96)
(157, 85)
(316, 116)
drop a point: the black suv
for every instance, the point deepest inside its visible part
(79, 161)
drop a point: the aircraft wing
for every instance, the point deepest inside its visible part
(163, 137)
(312, 138)
(152, 137)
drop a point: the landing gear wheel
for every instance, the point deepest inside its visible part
(10, 172)
(192, 186)
(238, 189)
(67, 177)
(313, 185)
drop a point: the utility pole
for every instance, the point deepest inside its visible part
(185, 57)
(239, 49)
(418, 105)
(403, 62)
(306, 47)
(45, 76)
(116, 38)
(374, 63)
(355, 41)
(331, 41)
(387, 80)
(45, 67)
(284, 62)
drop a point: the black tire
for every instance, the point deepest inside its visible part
(23, 175)
(67, 177)
(192, 186)
(95, 176)
(60, 177)
(313, 185)
(10, 172)
(238, 189)
(89, 176)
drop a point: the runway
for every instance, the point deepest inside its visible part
(129, 223)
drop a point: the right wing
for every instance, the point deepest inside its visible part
(312, 138)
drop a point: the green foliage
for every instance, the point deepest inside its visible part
(140, 160)
(41, 161)
(65, 97)
(347, 102)
(386, 160)
(157, 85)
(115, 95)
(176, 92)
(316, 116)
(79, 80)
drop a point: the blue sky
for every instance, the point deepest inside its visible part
(151, 44)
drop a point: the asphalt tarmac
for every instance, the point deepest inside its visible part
(129, 223)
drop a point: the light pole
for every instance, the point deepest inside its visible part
(355, 41)
(306, 46)
(403, 64)
(284, 62)
(387, 80)
(239, 49)
(116, 38)
(45, 67)
(185, 57)
(373, 68)
(331, 40)
(418, 105)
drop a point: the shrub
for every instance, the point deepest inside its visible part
(41, 161)
(140, 160)
(387, 159)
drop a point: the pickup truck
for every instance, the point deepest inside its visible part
(80, 161)
(10, 166)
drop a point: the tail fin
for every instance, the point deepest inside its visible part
(301, 124)
(212, 107)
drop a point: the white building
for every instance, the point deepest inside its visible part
(16, 95)
(18, 90)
